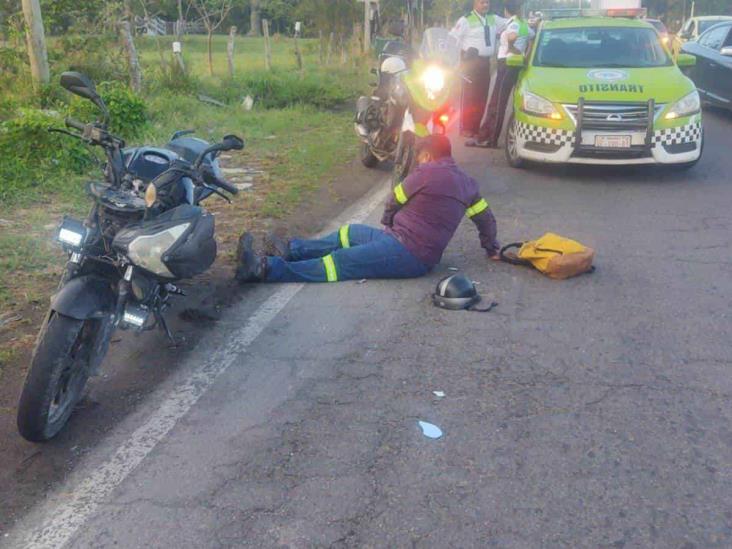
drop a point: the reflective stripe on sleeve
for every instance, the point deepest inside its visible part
(331, 274)
(400, 195)
(345, 243)
(420, 130)
(477, 208)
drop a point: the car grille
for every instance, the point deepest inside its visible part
(613, 116)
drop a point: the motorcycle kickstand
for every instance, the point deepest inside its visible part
(161, 320)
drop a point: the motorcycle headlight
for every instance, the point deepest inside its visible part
(71, 233)
(536, 105)
(433, 79)
(688, 105)
(147, 251)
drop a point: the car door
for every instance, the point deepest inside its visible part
(720, 81)
(705, 50)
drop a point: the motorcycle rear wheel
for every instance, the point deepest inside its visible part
(57, 376)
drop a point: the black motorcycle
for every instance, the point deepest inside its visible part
(412, 99)
(145, 231)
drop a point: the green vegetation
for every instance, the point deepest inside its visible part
(298, 131)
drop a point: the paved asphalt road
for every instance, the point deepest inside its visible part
(593, 412)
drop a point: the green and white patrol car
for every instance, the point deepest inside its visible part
(600, 88)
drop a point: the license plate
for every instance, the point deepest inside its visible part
(613, 141)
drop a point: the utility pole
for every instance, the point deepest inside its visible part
(36, 40)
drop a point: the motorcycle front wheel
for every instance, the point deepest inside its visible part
(57, 376)
(367, 157)
(404, 158)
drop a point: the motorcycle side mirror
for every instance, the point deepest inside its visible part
(81, 85)
(232, 143)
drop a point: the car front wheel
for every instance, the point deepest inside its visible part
(512, 154)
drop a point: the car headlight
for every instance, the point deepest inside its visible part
(538, 106)
(147, 251)
(690, 104)
(433, 79)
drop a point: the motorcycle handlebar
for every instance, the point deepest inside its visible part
(213, 179)
(72, 123)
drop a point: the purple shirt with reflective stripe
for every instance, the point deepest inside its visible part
(438, 195)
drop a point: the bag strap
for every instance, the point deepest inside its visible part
(490, 307)
(513, 258)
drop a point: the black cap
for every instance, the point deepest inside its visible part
(438, 146)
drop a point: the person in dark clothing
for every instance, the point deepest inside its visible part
(476, 34)
(420, 218)
(514, 40)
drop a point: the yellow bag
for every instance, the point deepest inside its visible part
(555, 256)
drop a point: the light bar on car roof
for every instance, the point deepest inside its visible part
(563, 13)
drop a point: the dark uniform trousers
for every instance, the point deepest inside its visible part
(474, 93)
(506, 77)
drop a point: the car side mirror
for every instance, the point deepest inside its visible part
(516, 61)
(685, 60)
(726, 51)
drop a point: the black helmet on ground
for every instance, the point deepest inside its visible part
(456, 292)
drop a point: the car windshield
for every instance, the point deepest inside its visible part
(600, 47)
(658, 25)
(708, 24)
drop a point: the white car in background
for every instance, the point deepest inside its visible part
(696, 26)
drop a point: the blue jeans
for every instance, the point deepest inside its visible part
(353, 252)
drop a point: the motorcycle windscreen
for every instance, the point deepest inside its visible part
(439, 46)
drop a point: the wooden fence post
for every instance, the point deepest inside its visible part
(331, 47)
(298, 54)
(230, 50)
(322, 47)
(267, 50)
(356, 46)
(36, 41)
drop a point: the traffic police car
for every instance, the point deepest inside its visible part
(599, 87)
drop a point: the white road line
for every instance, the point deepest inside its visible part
(80, 501)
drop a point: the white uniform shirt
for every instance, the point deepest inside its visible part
(525, 35)
(469, 32)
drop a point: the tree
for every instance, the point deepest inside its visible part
(126, 31)
(36, 39)
(213, 13)
(255, 19)
(336, 16)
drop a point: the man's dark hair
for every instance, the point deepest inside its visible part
(438, 146)
(513, 6)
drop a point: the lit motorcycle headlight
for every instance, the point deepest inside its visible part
(433, 79)
(147, 251)
(690, 104)
(71, 233)
(536, 105)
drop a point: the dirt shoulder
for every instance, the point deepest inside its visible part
(138, 363)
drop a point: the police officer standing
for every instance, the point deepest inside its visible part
(476, 34)
(515, 40)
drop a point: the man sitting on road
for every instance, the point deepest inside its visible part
(420, 218)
